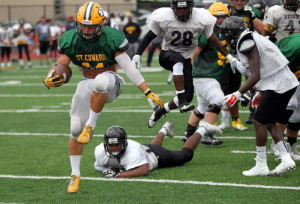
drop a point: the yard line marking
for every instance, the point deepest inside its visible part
(101, 135)
(37, 110)
(245, 152)
(210, 183)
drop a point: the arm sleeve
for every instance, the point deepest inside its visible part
(98, 167)
(132, 73)
(145, 42)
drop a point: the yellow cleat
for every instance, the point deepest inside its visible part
(238, 125)
(86, 135)
(74, 184)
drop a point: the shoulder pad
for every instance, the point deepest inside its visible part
(246, 45)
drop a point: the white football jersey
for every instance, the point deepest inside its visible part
(22, 38)
(285, 21)
(133, 157)
(274, 71)
(180, 36)
(6, 36)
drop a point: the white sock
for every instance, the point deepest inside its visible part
(21, 62)
(225, 115)
(8, 64)
(179, 92)
(75, 164)
(281, 146)
(261, 152)
(201, 131)
(166, 106)
(93, 117)
(163, 130)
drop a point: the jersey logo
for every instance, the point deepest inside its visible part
(86, 59)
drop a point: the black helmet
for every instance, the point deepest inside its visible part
(291, 5)
(231, 29)
(179, 4)
(115, 135)
(259, 4)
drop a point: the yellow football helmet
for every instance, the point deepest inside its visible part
(90, 14)
(218, 9)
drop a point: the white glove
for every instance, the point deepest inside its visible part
(109, 173)
(231, 99)
(236, 64)
(136, 61)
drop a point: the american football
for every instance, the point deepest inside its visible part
(63, 70)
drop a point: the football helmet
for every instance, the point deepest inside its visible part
(218, 9)
(291, 5)
(231, 29)
(115, 135)
(90, 14)
(259, 4)
(178, 5)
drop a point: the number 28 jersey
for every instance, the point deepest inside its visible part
(180, 36)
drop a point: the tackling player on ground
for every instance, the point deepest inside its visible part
(96, 49)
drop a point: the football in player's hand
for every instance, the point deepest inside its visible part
(64, 72)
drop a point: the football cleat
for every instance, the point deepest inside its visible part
(260, 169)
(86, 135)
(168, 127)
(156, 115)
(74, 184)
(209, 139)
(184, 106)
(286, 164)
(238, 125)
(211, 129)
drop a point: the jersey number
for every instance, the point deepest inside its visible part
(290, 27)
(187, 38)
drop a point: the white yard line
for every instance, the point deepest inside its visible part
(209, 183)
(101, 135)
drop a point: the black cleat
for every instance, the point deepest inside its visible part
(209, 139)
(156, 115)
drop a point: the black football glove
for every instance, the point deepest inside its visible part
(247, 97)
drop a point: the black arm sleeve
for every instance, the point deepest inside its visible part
(145, 42)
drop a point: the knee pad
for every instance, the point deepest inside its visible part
(101, 83)
(76, 127)
(214, 108)
(284, 118)
(198, 114)
(178, 68)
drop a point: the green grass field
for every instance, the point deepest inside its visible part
(34, 160)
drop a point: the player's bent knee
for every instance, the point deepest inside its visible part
(213, 108)
(189, 154)
(101, 83)
(76, 127)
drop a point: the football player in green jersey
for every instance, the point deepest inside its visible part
(209, 64)
(96, 49)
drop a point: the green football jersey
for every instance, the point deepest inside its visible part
(245, 16)
(290, 48)
(97, 54)
(210, 63)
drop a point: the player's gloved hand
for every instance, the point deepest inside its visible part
(236, 64)
(231, 99)
(256, 99)
(136, 60)
(109, 173)
(247, 97)
(150, 94)
(53, 81)
(249, 11)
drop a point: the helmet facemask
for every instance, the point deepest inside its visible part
(89, 36)
(182, 9)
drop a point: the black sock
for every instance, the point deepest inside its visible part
(234, 118)
(190, 130)
(291, 140)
